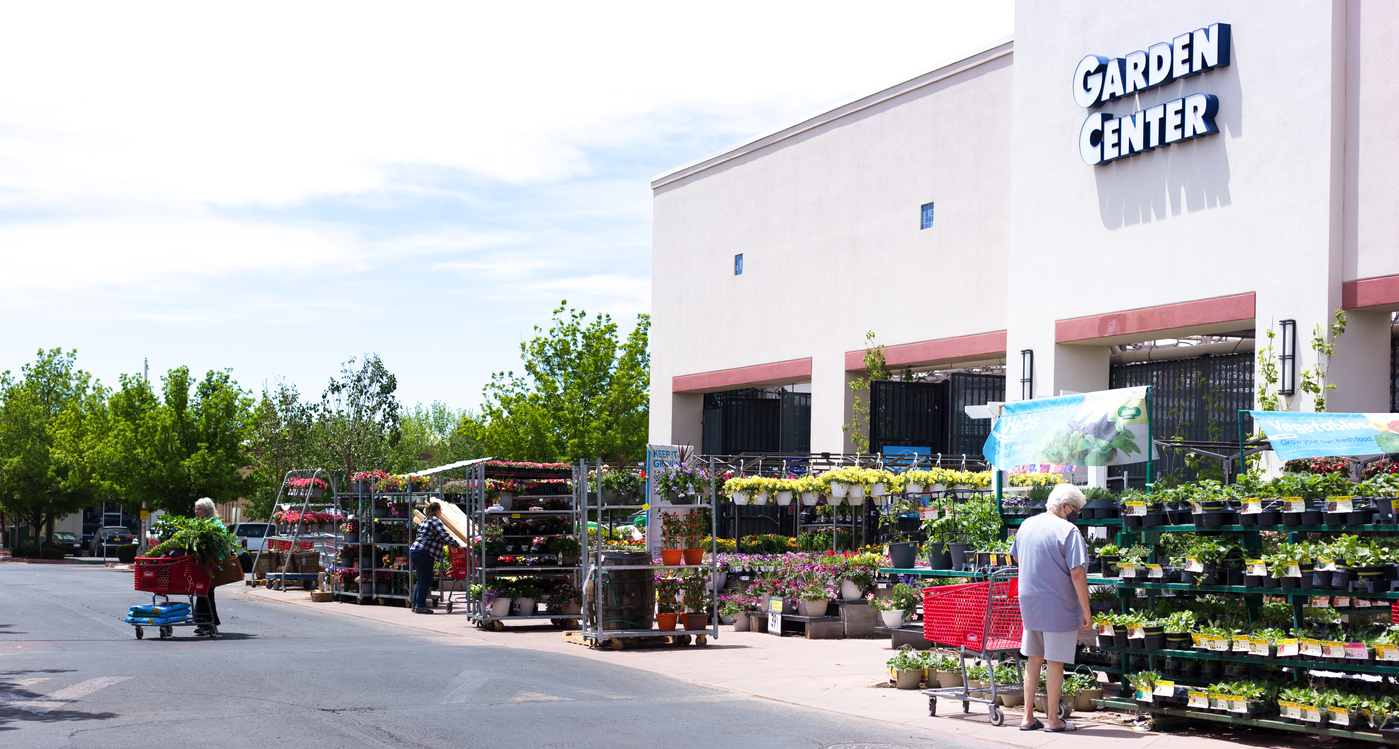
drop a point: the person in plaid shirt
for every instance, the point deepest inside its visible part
(425, 552)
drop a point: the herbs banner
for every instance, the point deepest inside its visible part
(1106, 428)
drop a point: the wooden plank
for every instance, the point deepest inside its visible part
(454, 529)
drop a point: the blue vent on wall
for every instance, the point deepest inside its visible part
(738, 264)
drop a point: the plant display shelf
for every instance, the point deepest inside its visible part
(858, 517)
(324, 544)
(478, 510)
(589, 499)
(367, 560)
(1274, 723)
(1374, 528)
(972, 576)
(1014, 522)
(1243, 589)
(1299, 663)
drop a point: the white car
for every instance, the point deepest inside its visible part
(253, 536)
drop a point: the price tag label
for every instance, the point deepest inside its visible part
(1361, 603)
(1243, 645)
(1238, 705)
(1196, 641)
(1257, 568)
(928, 513)
(1136, 632)
(1338, 504)
(1219, 702)
(1136, 508)
(1357, 651)
(1341, 602)
(1193, 565)
(1219, 644)
(1287, 648)
(1258, 646)
(1199, 699)
(1310, 713)
(1105, 630)
(514, 516)
(1165, 688)
(1143, 695)
(1387, 652)
(1294, 504)
(1195, 508)
(1320, 602)
(1127, 570)
(1252, 506)
(1310, 647)
(1154, 570)
(1333, 649)
(1290, 710)
(1340, 716)
(1293, 570)
(1325, 565)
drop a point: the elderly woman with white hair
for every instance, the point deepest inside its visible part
(1053, 559)
(205, 611)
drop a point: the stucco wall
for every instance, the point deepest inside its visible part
(827, 218)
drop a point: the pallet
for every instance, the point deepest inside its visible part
(657, 640)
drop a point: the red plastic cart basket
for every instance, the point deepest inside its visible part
(171, 576)
(461, 563)
(980, 617)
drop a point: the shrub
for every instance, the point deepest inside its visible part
(52, 551)
(27, 550)
(126, 554)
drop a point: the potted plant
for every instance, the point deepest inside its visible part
(672, 535)
(569, 550)
(1177, 628)
(497, 598)
(692, 530)
(857, 573)
(1083, 688)
(696, 599)
(1108, 557)
(735, 607)
(620, 486)
(907, 666)
(814, 598)
(811, 489)
(667, 609)
(526, 597)
(940, 530)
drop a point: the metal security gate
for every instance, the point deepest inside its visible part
(756, 421)
(965, 435)
(1193, 399)
(908, 414)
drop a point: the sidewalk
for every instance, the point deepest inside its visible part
(840, 676)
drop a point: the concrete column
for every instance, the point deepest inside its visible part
(1360, 368)
(687, 420)
(830, 402)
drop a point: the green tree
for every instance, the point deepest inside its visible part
(358, 421)
(433, 435)
(46, 415)
(282, 437)
(583, 394)
(190, 442)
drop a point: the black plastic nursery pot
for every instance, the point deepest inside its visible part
(1290, 583)
(1254, 581)
(1132, 521)
(1155, 642)
(939, 558)
(1270, 517)
(1105, 641)
(1109, 566)
(1178, 640)
(1272, 582)
(1313, 517)
(903, 555)
(1152, 519)
(1391, 571)
(1119, 638)
(1292, 518)
(1341, 578)
(1136, 642)
(1360, 517)
(1186, 576)
(1212, 576)
(1320, 581)
(958, 551)
(1236, 576)
(1335, 518)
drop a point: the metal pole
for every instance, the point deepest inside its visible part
(1150, 444)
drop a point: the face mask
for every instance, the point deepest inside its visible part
(1073, 517)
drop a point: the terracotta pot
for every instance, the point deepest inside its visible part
(697, 621)
(666, 622)
(671, 557)
(692, 557)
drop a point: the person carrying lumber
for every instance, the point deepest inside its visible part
(426, 552)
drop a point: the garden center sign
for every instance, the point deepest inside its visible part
(1099, 80)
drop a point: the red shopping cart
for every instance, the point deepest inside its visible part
(163, 577)
(461, 564)
(981, 620)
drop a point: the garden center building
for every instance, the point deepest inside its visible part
(1064, 211)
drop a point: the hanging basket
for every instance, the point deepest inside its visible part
(740, 498)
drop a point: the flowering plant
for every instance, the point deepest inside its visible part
(681, 479)
(1385, 467)
(345, 575)
(1320, 466)
(733, 604)
(515, 464)
(310, 483)
(565, 593)
(624, 481)
(490, 595)
(1036, 479)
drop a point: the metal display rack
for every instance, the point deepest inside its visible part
(858, 518)
(326, 544)
(522, 510)
(592, 624)
(379, 532)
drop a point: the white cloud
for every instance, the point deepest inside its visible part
(268, 170)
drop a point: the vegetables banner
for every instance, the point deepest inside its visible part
(1106, 428)
(1313, 435)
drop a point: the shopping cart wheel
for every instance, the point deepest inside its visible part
(449, 607)
(966, 706)
(932, 707)
(166, 632)
(998, 718)
(140, 633)
(701, 640)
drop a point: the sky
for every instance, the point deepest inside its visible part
(274, 188)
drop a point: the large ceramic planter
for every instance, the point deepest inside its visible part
(525, 606)
(850, 590)
(666, 622)
(1011, 700)
(949, 679)
(783, 498)
(892, 619)
(500, 607)
(909, 679)
(697, 621)
(1083, 701)
(816, 607)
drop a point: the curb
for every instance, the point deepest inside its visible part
(12, 560)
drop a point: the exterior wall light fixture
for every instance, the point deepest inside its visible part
(1027, 374)
(1287, 384)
